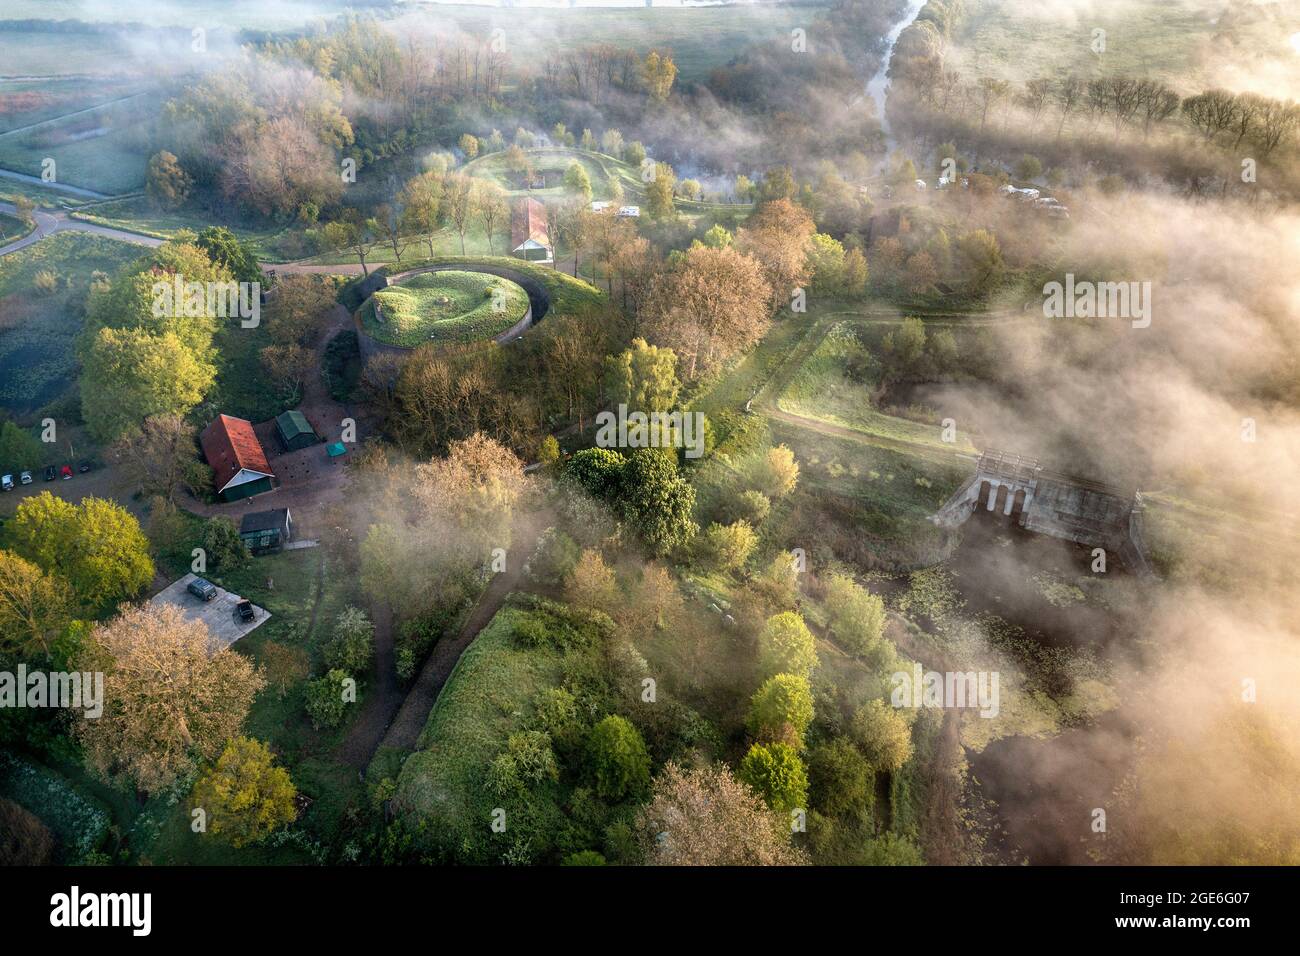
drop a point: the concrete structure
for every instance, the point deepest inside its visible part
(529, 234)
(219, 614)
(239, 465)
(1047, 502)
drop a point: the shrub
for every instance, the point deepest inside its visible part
(752, 506)
(353, 644)
(776, 473)
(883, 734)
(245, 796)
(584, 858)
(46, 282)
(618, 759)
(326, 700)
(527, 760)
(840, 777)
(729, 546)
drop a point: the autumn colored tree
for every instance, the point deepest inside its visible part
(642, 377)
(776, 473)
(659, 192)
(489, 205)
(458, 203)
(161, 458)
(730, 545)
(591, 583)
(165, 183)
(705, 817)
(778, 235)
(710, 307)
(245, 797)
(658, 72)
(421, 203)
(171, 697)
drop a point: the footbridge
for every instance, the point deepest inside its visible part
(1047, 502)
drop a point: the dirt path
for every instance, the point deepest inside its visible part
(48, 223)
(404, 733)
(382, 701)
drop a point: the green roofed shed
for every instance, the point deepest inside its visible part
(294, 430)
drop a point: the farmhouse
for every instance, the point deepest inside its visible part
(529, 236)
(294, 431)
(238, 462)
(266, 530)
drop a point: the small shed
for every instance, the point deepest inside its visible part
(266, 531)
(294, 430)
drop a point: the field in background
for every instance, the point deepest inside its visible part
(1189, 44)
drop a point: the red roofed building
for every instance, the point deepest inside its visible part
(237, 459)
(530, 237)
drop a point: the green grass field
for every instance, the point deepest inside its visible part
(444, 307)
(567, 293)
(1190, 46)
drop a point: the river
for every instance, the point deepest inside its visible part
(878, 85)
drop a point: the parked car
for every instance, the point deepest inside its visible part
(25, 478)
(7, 482)
(245, 609)
(201, 589)
(84, 467)
(65, 472)
(51, 472)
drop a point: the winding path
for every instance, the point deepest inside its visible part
(48, 223)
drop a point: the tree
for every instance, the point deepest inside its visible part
(777, 775)
(591, 583)
(130, 375)
(283, 666)
(705, 817)
(611, 143)
(490, 207)
(326, 699)
(353, 236)
(618, 759)
(921, 274)
(1028, 167)
(24, 209)
(634, 154)
(421, 204)
(169, 698)
(730, 545)
(717, 237)
(223, 545)
(468, 144)
(577, 181)
(166, 184)
(840, 779)
(287, 366)
(657, 500)
(160, 458)
(35, 607)
(857, 617)
(458, 202)
(18, 449)
(659, 192)
(786, 646)
(643, 377)
(245, 796)
(710, 307)
(781, 706)
(981, 256)
(658, 72)
(598, 471)
(778, 236)
(387, 223)
(883, 734)
(855, 273)
(96, 546)
(226, 251)
(353, 645)
(826, 257)
(776, 473)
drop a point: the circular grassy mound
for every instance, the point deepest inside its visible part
(444, 307)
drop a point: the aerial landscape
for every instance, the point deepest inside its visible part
(837, 433)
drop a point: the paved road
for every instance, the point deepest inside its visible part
(48, 223)
(58, 187)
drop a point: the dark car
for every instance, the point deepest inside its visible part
(201, 589)
(245, 609)
(51, 472)
(84, 467)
